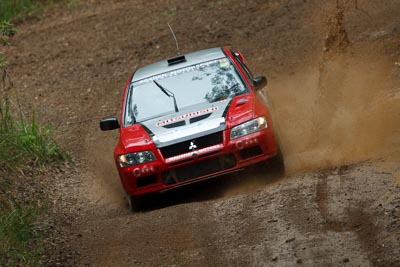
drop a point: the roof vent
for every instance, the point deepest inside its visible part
(176, 60)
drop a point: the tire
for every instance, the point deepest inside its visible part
(277, 163)
(135, 203)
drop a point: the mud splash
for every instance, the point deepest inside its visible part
(342, 109)
(347, 117)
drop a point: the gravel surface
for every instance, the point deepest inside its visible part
(334, 91)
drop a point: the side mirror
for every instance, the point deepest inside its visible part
(259, 82)
(107, 124)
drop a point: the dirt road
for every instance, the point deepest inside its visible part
(334, 89)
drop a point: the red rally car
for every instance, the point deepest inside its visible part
(190, 118)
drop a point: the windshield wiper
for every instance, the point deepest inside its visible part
(168, 93)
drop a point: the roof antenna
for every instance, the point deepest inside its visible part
(176, 42)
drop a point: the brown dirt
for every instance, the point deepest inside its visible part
(334, 89)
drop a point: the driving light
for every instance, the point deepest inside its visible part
(136, 158)
(249, 127)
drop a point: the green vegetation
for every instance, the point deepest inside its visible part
(17, 236)
(22, 142)
(20, 9)
(25, 149)
(7, 31)
(11, 9)
(24, 146)
(73, 4)
(25, 143)
(3, 61)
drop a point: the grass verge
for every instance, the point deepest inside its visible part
(15, 9)
(24, 143)
(19, 238)
(20, 9)
(25, 149)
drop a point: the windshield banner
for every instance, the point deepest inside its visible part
(179, 71)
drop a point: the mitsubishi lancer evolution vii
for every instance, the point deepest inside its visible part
(190, 118)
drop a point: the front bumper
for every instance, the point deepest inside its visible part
(217, 159)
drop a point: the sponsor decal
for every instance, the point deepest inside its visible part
(195, 153)
(187, 115)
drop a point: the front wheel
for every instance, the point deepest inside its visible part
(135, 203)
(277, 163)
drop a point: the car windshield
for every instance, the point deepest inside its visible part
(156, 96)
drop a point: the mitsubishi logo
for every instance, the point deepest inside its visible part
(192, 146)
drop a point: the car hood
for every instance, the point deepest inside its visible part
(189, 123)
(197, 120)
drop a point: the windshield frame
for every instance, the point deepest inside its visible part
(131, 87)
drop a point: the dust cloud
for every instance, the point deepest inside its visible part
(342, 108)
(103, 182)
(341, 111)
(344, 111)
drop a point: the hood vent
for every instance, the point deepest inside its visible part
(183, 123)
(175, 124)
(199, 118)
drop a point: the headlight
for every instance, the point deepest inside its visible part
(249, 127)
(136, 158)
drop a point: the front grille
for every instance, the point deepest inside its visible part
(250, 152)
(198, 169)
(183, 147)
